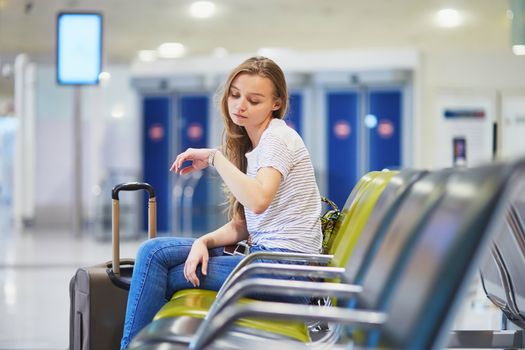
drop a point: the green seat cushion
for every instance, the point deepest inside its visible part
(356, 217)
(348, 208)
(184, 292)
(196, 303)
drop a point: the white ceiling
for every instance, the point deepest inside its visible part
(247, 25)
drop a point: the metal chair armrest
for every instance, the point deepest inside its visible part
(280, 270)
(283, 256)
(282, 287)
(219, 324)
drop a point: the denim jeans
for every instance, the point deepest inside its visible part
(159, 273)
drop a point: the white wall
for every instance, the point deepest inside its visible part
(472, 70)
(114, 144)
(6, 105)
(109, 144)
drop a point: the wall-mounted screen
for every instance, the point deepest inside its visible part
(79, 48)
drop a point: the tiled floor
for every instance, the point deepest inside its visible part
(35, 268)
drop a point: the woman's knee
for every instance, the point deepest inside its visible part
(156, 247)
(150, 247)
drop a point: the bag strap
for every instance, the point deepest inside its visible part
(330, 203)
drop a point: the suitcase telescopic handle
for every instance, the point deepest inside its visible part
(152, 216)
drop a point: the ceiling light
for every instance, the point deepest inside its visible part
(202, 9)
(274, 51)
(7, 70)
(220, 52)
(518, 50)
(104, 76)
(448, 18)
(118, 111)
(147, 55)
(171, 50)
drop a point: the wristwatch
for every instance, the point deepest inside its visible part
(211, 157)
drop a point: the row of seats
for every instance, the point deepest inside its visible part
(402, 254)
(502, 280)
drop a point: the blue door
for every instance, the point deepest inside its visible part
(295, 112)
(194, 112)
(384, 150)
(343, 140)
(156, 136)
(351, 153)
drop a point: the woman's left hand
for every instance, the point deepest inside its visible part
(198, 158)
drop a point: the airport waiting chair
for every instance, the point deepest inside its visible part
(387, 203)
(188, 307)
(432, 276)
(502, 280)
(394, 240)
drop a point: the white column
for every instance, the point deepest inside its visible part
(24, 161)
(29, 143)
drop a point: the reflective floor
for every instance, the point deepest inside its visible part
(36, 266)
(35, 269)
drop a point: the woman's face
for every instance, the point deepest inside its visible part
(251, 101)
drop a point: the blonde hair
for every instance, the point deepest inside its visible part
(236, 142)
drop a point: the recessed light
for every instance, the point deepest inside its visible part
(104, 76)
(220, 52)
(448, 18)
(147, 55)
(171, 50)
(7, 70)
(518, 50)
(274, 51)
(118, 111)
(202, 9)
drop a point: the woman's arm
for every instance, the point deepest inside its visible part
(231, 233)
(255, 194)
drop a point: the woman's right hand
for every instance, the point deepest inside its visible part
(198, 157)
(198, 255)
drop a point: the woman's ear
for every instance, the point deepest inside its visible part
(277, 105)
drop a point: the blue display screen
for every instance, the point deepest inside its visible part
(79, 48)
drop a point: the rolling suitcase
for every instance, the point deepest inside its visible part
(98, 294)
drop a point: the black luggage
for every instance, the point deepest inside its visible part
(99, 294)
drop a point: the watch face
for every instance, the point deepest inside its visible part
(211, 157)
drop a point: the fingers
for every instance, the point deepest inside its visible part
(189, 273)
(181, 158)
(186, 269)
(194, 280)
(204, 267)
(187, 170)
(187, 155)
(173, 166)
(182, 171)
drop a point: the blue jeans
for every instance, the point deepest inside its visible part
(159, 273)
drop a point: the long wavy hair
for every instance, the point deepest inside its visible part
(236, 142)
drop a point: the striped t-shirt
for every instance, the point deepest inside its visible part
(292, 219)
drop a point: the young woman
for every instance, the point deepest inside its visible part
(273, 197)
